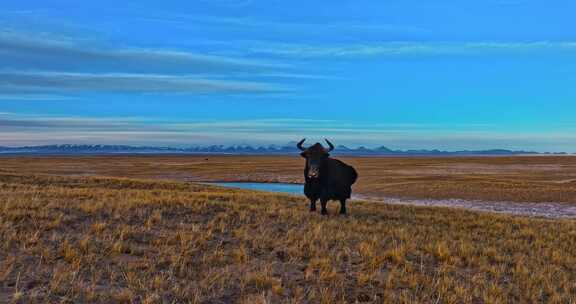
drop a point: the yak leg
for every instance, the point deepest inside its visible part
(323, 202)
(343, 206)
(312, 204)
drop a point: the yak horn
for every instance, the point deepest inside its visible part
(299, 145)
(330, 145)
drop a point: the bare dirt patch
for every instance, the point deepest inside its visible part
(545, 210)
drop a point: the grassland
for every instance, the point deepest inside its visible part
(120, 240)
(515, 179)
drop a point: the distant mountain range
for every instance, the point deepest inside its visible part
(68, 149)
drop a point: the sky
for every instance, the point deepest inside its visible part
(406, 74)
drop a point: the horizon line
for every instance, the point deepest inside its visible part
(269, 147)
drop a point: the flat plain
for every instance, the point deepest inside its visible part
(513, 179)
(139, 230)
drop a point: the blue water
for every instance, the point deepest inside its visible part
(269, 187)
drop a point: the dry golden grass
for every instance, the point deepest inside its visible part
(89, 239)
(516, 179)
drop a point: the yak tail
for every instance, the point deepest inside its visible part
(353, 175)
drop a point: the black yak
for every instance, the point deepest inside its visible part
(326, 178)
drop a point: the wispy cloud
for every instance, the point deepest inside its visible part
(395, 49)
(58, 82)
(30, 97)
(261, 125)
(18, 122)
(231, 3)
(16, 129)
(48, 66)
(285, 26)
(20, 50)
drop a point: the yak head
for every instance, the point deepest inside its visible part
(314, 156)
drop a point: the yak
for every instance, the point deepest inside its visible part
(326, 178)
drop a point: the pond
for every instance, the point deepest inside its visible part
(297, 189)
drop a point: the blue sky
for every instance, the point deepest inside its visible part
(404, 74)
